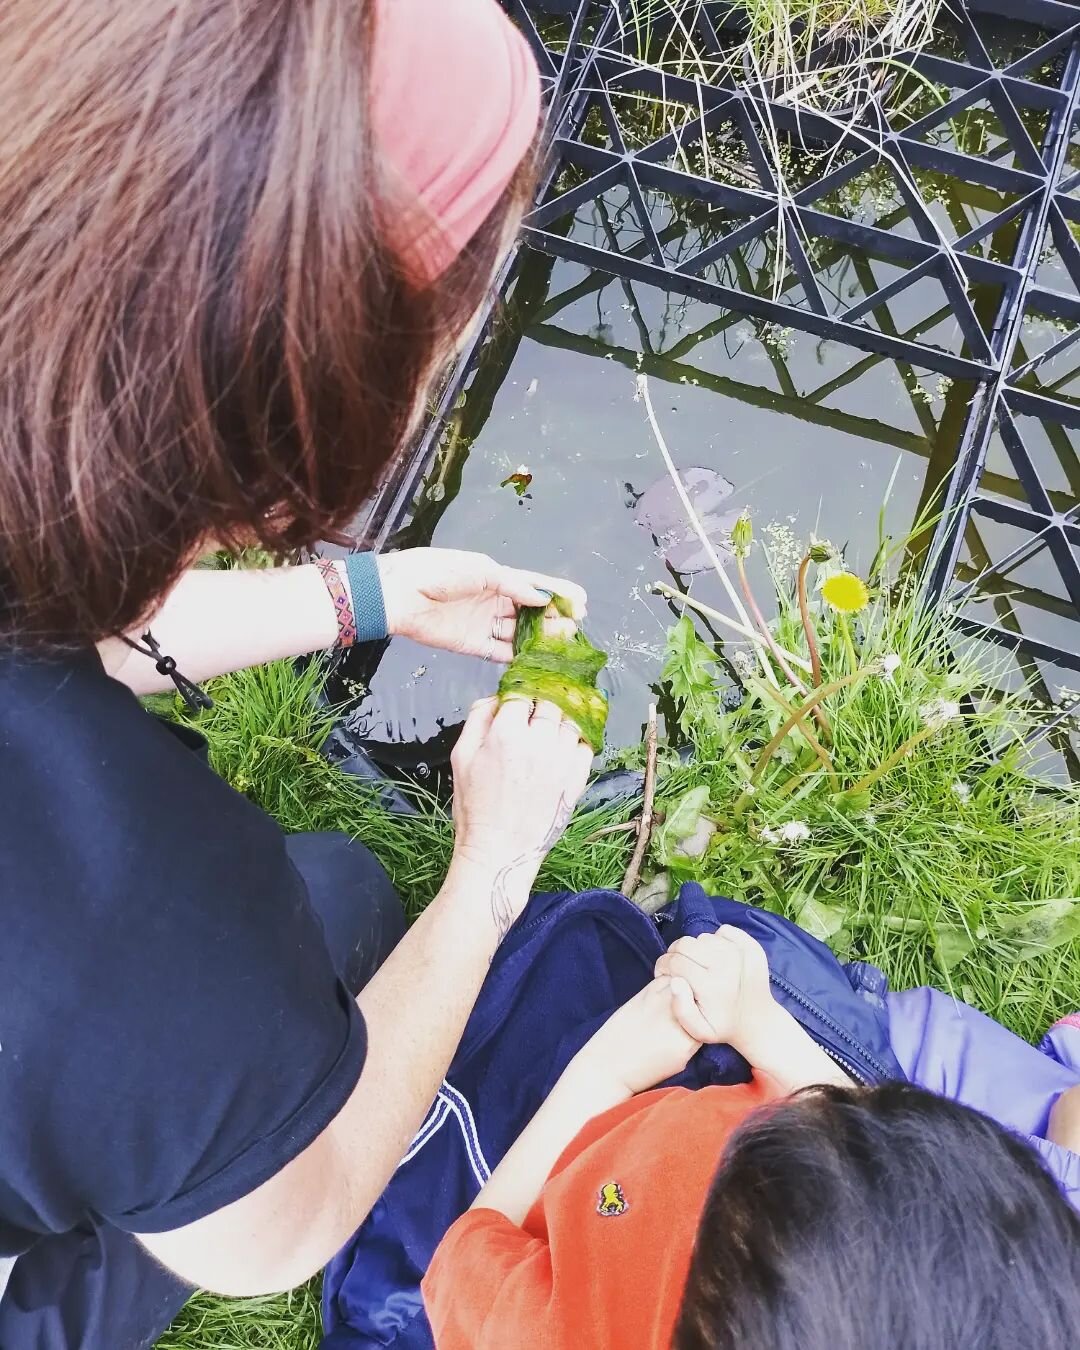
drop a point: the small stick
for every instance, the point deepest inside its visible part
(750, 634)
(612, 829)
(633, 872)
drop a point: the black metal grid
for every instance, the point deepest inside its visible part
(997, 271)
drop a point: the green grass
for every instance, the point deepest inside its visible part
(970, 895)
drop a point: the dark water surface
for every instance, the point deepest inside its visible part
(808, 432)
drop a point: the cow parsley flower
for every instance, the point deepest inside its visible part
(890, 663)
(794, 832)
(939, 711)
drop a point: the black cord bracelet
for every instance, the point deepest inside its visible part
(196, 699)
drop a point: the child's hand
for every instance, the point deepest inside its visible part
(1064, 1127)
(644, 1042)
(728, 974)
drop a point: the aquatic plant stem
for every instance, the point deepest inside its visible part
(849, 646)
(912, 742)
(834, 686)
(777, 654)
(750, 634)
(633, 871)
(695, 522)
(803, 730)
(807, 622)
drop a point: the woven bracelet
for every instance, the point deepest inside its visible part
(341, 599)
(369, 607)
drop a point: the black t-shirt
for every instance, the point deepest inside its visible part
(172, 1031)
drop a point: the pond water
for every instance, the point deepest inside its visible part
(548, 460)
(808, 432)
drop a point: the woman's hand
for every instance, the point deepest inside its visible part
(644, 1042)
(465, 602)
(728, 974)
(519, 770)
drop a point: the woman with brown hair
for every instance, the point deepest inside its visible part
(240, 239)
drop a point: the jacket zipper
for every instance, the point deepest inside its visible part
(843, 1060)
(846, 1065)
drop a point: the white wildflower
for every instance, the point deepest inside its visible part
(769, 835)
(743, 662)
(962, 790)
(794, 832)
(749, 790)
(939, 711)
(889, 665)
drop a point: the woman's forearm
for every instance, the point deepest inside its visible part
(213, 622)
(415, 1009)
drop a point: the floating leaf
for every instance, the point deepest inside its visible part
(1038, 930)
(661, 512)
(952, 942)
(519, 481)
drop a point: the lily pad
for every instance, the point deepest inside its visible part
(660, 511)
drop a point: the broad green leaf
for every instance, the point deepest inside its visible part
(690, 673)
(820, 920)
(1040, 929)
(952, 943)
(680, 822)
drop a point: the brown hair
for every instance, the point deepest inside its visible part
(204, 329)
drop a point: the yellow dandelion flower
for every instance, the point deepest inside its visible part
(846, 592)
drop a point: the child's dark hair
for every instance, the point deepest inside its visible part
(844, 1219)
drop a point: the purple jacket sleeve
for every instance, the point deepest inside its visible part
(958, 1052)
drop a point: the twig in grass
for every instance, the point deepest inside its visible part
(750, 634)
(695, 522)
(633, 871)
(626, 826)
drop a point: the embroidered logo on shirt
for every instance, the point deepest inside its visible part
(611, 1200)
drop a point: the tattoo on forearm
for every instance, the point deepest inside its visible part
(502, 905)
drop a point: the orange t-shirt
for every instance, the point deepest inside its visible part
(602, 1258)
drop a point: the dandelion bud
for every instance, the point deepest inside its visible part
(742, 535)
(821, 551)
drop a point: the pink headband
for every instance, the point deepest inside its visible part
(455, 106)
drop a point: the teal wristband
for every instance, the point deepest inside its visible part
(369, 608)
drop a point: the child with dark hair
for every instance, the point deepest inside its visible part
(840, 1215)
